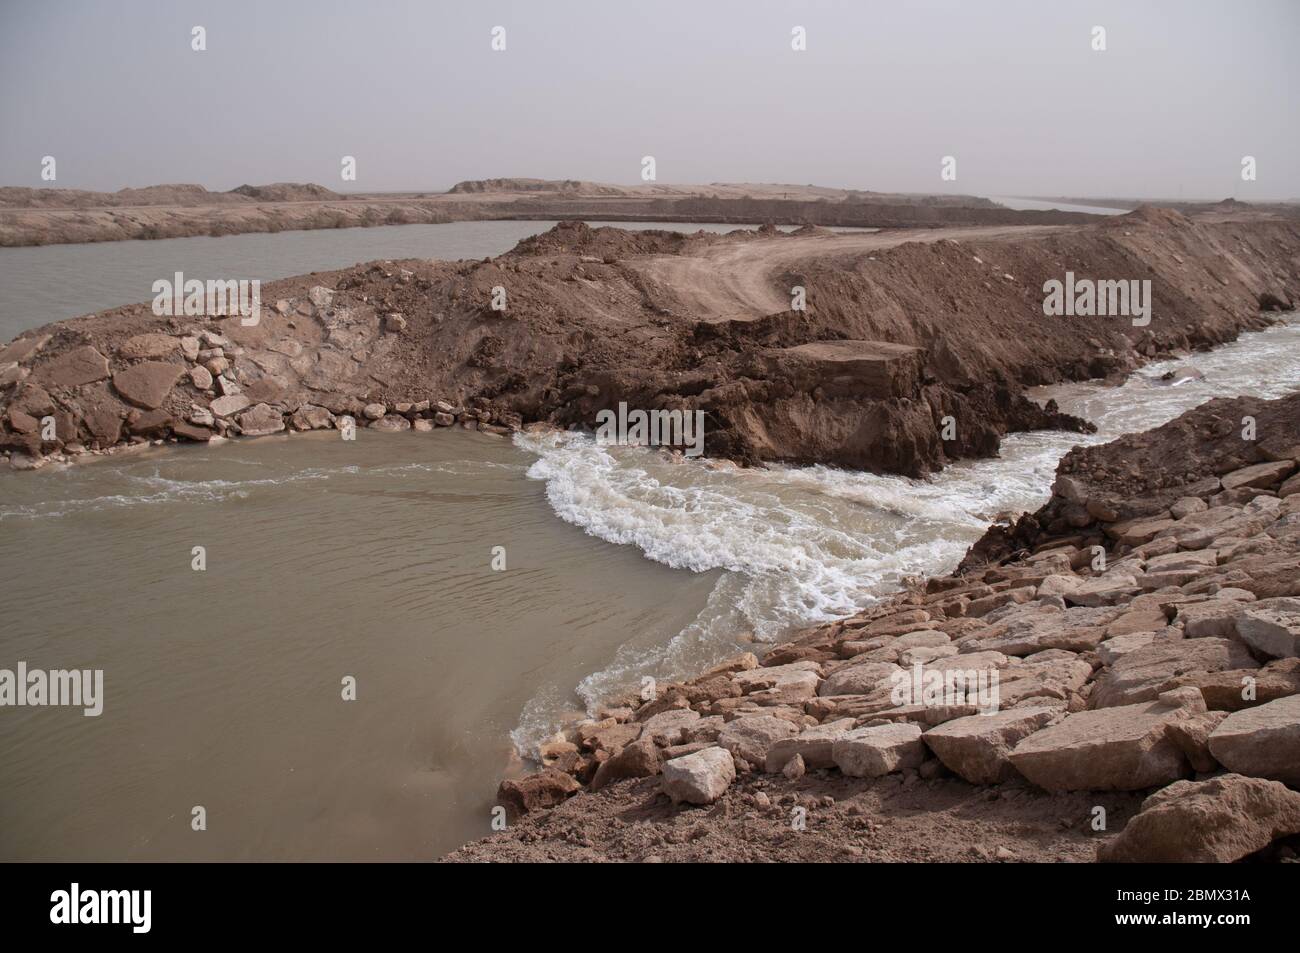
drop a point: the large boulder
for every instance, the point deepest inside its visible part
(1108, 589)
(844, 368)
(1057, 678)
(978, 747)
(148, 347)
(23, 348)
(1140, 675)
(1244, 688)
(226, 406)
(546, 788)
(1263, 742)
(665, 729)
(1213, 618)
(1216, 821)
(699, 778)
(777, 676)
(749, 737)
(102, 415)
(260, 420)
(312, 417)
(1126, 748)
(812, 744)
(81, 365)
(878, 750)
(859, 678)
(639, 759)
(607, 735)
(1258, 476)
(1271, 627)
(1075, 630)
(200, 377)
(147, 384)
(1193, 737)
(392, 423)
(191, 432)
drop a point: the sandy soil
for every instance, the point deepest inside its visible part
(850, 820)
(737, 281)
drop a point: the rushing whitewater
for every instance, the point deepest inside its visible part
(803, 545)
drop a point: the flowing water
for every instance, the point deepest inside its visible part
(374, 559)
(812, 543)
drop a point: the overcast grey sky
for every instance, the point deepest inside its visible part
(712, 90)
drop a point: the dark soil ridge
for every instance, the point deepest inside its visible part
(893, 342)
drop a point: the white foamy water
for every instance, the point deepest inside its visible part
(803, 545)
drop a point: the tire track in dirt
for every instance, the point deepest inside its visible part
(736, 280)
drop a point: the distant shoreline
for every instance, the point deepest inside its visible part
(30, 217)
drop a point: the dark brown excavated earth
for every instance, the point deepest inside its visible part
(903, 332)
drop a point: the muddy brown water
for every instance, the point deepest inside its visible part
(373, 559)
(223, 688)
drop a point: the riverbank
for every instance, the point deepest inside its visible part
(1136, 647)
(914, 349)
(661, 318)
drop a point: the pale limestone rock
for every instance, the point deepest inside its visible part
(858, 678)
(260, 420)
(750, 736)
(1125, 749)
(1141, 674)
(880, 750)
(226, 406)
(1262, 742)
(977, 747)
(1271, 627)
(812, 744)
(666, 728)
(699, 778)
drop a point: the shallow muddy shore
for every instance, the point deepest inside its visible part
(1142, 630)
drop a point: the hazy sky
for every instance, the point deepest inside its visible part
(711, 89)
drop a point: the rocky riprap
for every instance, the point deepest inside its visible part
(309, 364)
(1142, 643)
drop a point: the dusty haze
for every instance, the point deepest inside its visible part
(713, 91)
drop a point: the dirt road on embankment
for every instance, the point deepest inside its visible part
(737, 281)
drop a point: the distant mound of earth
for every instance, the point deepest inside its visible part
(182, 194)
(287, 192)
(567, 186)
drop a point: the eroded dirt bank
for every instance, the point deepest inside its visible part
(913, 350)
(1143, 634)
